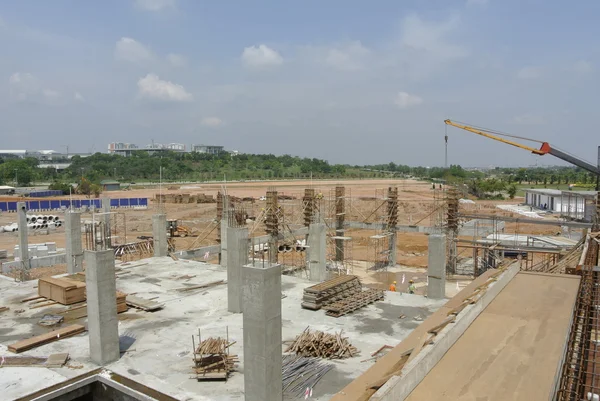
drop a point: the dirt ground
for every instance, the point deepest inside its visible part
(364, 201)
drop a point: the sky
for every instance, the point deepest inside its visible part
(349, 81)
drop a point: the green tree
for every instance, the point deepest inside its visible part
(512, 191)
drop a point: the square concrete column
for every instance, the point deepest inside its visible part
(262, 332)
(393, 249)
(74, 248)
(237, 257)
(316, 252)
(101, 292)
(436, 270)
(159, 234)
(224, 227)
(23, 240)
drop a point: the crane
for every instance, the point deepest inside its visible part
(545, 149)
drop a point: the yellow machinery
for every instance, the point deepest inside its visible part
(176, 230)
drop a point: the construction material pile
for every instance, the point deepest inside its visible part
(322, 345)
(212, 360)
(353, 302)
(330, 291)
(339, 296)
(301, 374)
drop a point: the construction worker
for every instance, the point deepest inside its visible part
(411, 287)
(393, 287)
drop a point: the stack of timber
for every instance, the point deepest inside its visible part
(33, 342)
(353, 302)
(322, 345)
(63, 290)
(212, 360)
(330, 291)
(79, 311)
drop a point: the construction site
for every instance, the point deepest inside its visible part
(391, 289)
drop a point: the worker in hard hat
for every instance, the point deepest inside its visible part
(411, 287)
(393, 287)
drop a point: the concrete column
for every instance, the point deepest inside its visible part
(393, 249)
(224, 227)
(23, 240)
(106, 219)
(237, 257)
(436, 270)
(262, 332)
(101, 290)
(159, 234)
(74, 248)
(316, 252)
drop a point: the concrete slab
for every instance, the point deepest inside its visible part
(159, 343)
(512, 351)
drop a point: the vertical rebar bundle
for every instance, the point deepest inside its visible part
(452, 226)
(272, 222)
(219, 215)
(309, 206)
(340, 217)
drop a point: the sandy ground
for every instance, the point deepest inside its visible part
(364, 202)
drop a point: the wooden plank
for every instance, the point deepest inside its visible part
(31, 298)
(52, 361)
(42, 339)
(4, 308)
(195, 287)
(144, 304)
(43, 305)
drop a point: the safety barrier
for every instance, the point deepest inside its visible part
(49, 205)
(45, 194)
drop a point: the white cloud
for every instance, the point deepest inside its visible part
(78, 97)
(583, 67)
(176, 60)
(529, 119)
(529, 73)
(261, 56)
(429, 37)
(23, 86)
(50, 94)
(211, 121)
(154, 5)
(405, 100)
(350, 57)
(128, 49)
(153, 88)
(477, 2)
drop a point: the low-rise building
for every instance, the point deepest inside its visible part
(110, 185)
(575, 205)
(209, 149)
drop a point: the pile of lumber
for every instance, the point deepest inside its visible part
(330, 291)
(64, 290)
(353, 302)
(322, 345)
(212, 360)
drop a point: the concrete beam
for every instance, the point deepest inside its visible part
(436, 267)
(237, 257)
(102, 306)
(23, 240)
(262, 332)
(73, 246)
(159, 235)
(316, 252)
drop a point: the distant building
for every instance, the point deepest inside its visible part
(47, 158)
(575, 205)
(209, 149)
(126, 149)
(6, 190)
(110, 185)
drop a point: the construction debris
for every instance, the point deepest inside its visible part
(353, 302)
(4, 308)
(143, 304)
(52, 361)
(51, 320)
(207, 285)
(212, 360)
(301, 374)
(52, 336)
(322, 345)
(327, 292)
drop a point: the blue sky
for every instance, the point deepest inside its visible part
(348, 81)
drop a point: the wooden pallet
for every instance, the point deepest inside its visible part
(354, 302)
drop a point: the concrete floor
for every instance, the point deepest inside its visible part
(159, 344)
(513, 350)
